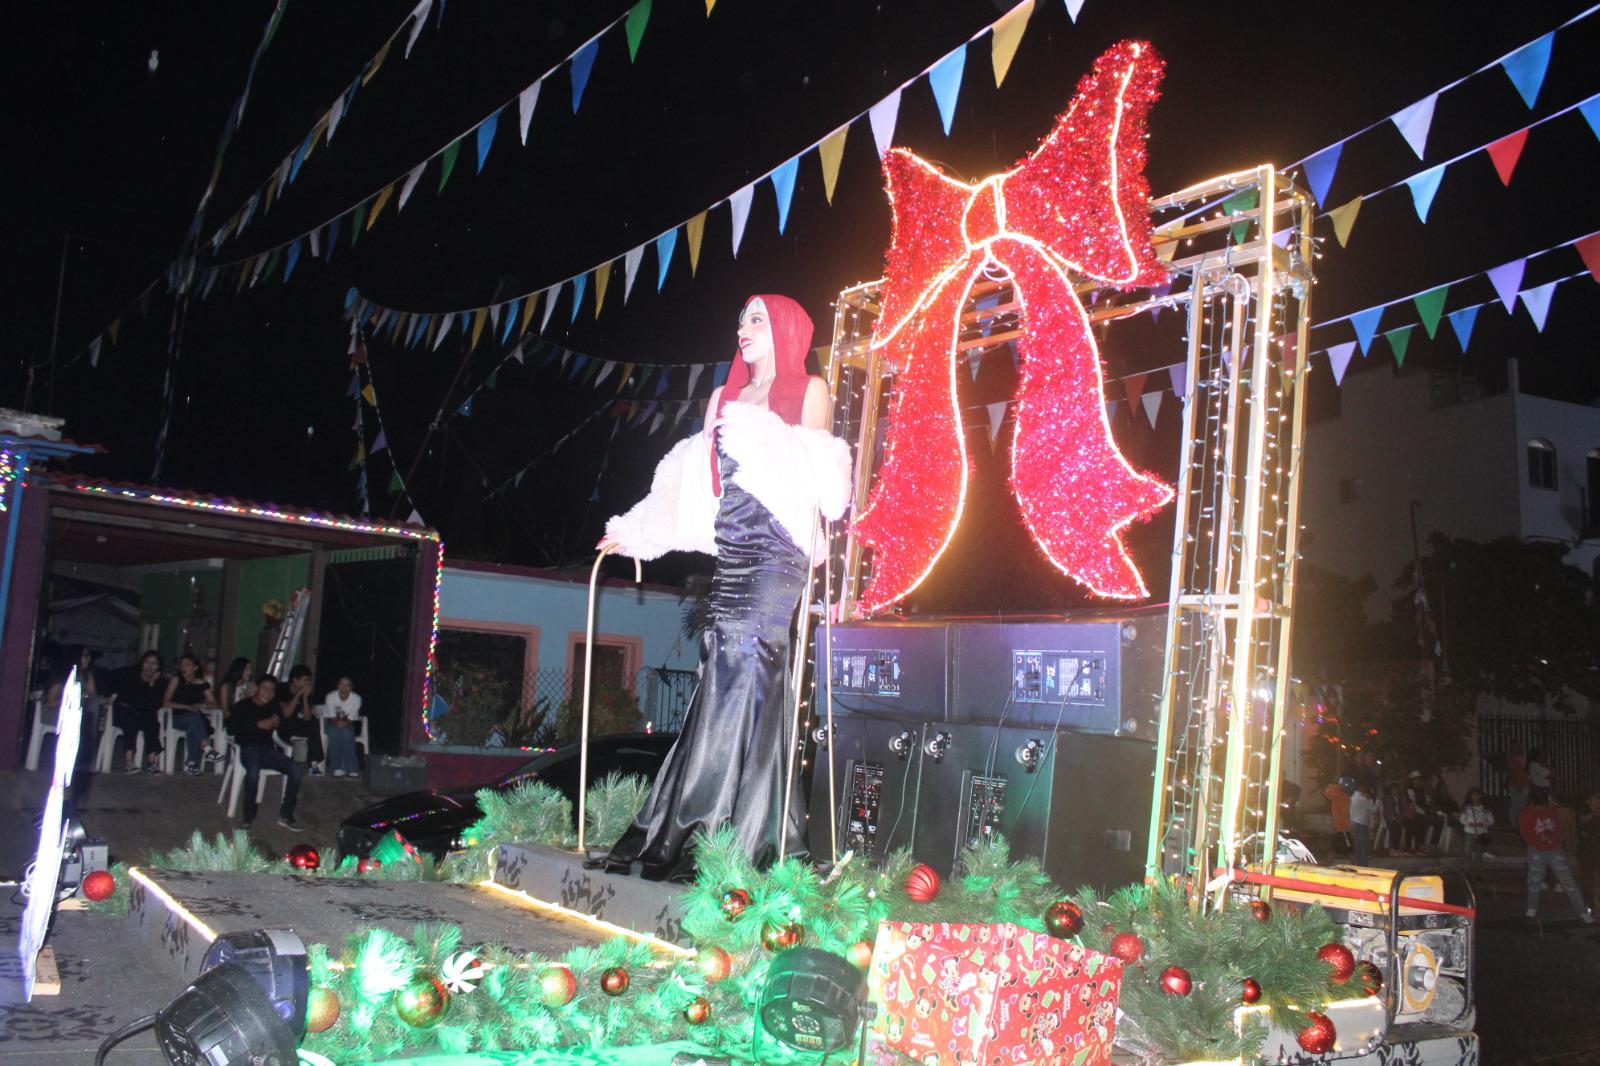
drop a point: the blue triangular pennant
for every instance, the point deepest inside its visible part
(1590, 109)
(719, 376)
(1423, 186)
(661, 382)
(1462, 322)
(945, 80)
(664, 246)
(783, 186)
(1526, 66)
(579, 284)
(582, 63)
(1320, 169)
(465, 408)
(1365, 323)
(291, 258)
(511, 316)
(486, 130)
(299, 159)
(355, 384)
(1507, 279)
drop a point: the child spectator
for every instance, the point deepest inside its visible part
(1476, 819)
(341, 708)
(1541, 829)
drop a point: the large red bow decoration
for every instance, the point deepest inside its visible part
(1079, 203)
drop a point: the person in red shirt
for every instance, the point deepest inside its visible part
(1542, 830)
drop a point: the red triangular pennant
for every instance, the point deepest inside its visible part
(1135, 387)
(1589, 249)
(1505, 152)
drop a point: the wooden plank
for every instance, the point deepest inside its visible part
(46, 978)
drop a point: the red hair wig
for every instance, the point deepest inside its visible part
(791, 340)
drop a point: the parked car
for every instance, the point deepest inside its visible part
(434, 821)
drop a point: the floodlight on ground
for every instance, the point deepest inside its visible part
(811, 1000)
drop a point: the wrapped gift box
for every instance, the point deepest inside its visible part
(955, 994)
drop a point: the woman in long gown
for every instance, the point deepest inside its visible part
(749, 489)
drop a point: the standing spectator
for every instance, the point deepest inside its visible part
(1538, 770)
(190, 697)
(1540, 826)
(237, 684)
(1589, 845)
(341, 708)
(1517, 780)
(1476, 819)
(1338, 796)
(138, 694)
(1363, 820)
(1392, 809)
(1413, 814)
(299, 719)
(252, 723)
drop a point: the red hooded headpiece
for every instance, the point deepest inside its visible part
(791, 340)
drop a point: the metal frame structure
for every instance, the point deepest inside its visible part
(1240, 253)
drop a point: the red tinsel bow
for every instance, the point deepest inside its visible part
(1079, 203)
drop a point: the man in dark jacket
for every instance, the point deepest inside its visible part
(251, 723)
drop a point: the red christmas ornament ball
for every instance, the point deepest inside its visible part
(714, 963)
(922, 883)
(1127, 947)
(322, 1009)
(303, 857)
(698, 1011)
(1175, 981)
(1370, 976)
(368, 864)
(557, 986)
(423, 1003)
(614, 981)
(1318, 1037)
(860, 954)
(1063, 918)
(782, 936)
(1340, 959)
(734, 902)
(98, 886)
(1250, 990)
(1260, 910)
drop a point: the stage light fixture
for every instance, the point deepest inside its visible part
(811, 1000)
(276, 960)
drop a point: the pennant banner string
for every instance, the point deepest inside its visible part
(1448, 284)
(1492, 64)
(383, 431)
(790, 158)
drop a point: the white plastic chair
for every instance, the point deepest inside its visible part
(106, 754)
(40, 728)
(233, 781)
(220, 741)
(170, 737)
(358, 724)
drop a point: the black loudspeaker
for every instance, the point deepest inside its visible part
(1078, 802)
(877, 765)
(895, 670)
(1098, 672)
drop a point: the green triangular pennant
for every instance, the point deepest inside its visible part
(449, 162)
(1398, 339)
(635, 27)
(493, 380)
(360, 220)
(1430, 305)
(395, 484)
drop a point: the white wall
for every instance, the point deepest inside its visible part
(1574, 430)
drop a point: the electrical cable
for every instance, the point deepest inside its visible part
(138, 1025)
(1038, 771)
(905, 779)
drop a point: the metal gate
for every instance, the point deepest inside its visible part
(1571, 748)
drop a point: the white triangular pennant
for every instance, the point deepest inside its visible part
(605, 372)
(1413, 123)
(335, 113)
(694, 376)
(1152, 405)
(739, 204)
(550, 296)
(997, 415)
(630, 267)
(1339, 360)
(883, 116)
(525, 103)
(419, 15)
(409, 184)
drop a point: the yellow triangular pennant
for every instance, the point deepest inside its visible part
(377, 61)
(1165, 250)
(709, 5)
(377, 204)
(114, 329)
(1005, 38)
(627, 372)
(1343, 218)
(602, 275)
(831, 150)
(696, 228)
(479, 317)
(368, 395)
(527, 312)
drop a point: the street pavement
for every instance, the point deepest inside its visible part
(1538, 982)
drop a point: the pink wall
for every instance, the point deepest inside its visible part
(447, 770)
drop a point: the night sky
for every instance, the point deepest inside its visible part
(116, 155)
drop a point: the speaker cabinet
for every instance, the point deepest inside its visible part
(1078, 802)
(1097, 673)
(893, 670)
(877, 771)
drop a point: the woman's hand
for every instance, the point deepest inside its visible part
(608, 543)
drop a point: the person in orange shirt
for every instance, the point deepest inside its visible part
(1338, 796)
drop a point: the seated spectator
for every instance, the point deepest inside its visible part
(138, 694)
(237, 684)
(251, 722)
(341, 708)
(190, 697)
(297, 718)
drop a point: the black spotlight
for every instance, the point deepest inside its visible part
(247, 1007)
(811, 1000)
(225, 1019)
